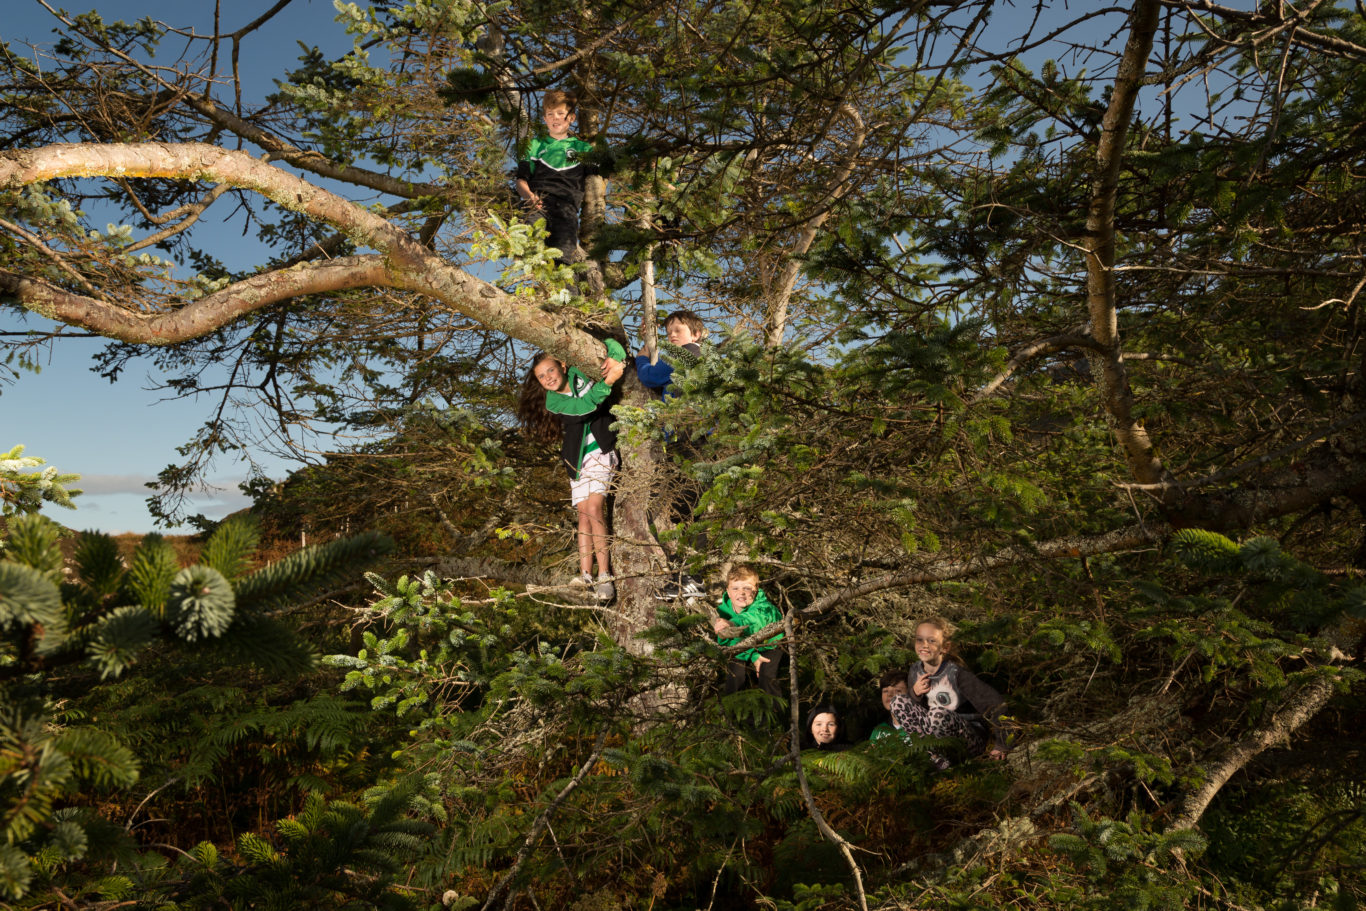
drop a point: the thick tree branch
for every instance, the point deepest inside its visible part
(407, 264)
(199, 317)
(1292, 714)
(310, 161)
(304, 159)
(1074, 339)
(1243, 468)
(929, 572)
(1126, 538)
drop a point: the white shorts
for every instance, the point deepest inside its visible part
(595, 476)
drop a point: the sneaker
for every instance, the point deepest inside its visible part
(582, 580)
(669, 592)
(604, 591)
(692, 590)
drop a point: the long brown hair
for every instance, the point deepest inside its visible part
(538, 422)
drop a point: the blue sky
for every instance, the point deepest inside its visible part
(118, 436)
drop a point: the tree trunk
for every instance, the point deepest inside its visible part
(638, 562)
(1098, 244)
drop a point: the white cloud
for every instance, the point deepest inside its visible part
(96, 485)
(116, 503)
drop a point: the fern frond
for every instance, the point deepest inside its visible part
(1205, 550)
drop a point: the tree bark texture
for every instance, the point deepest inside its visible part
(780, 292)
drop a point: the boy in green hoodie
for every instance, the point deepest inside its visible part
(743, 612)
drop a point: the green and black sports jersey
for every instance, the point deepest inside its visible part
(556, 167)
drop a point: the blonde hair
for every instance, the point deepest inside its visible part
(742, 571)
(946, 629)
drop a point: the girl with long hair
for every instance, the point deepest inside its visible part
(560, 403)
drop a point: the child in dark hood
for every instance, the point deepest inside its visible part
(824, 730)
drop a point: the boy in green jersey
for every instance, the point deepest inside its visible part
(743, 612)
(551, 174)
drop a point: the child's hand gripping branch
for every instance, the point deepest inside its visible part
(612, 369)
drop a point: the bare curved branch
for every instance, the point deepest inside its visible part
(775, 315)
(198, 317)
(1074, 339)
(542, 821)
(827, 832)
(405, 263)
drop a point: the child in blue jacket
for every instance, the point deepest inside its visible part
(684, 329)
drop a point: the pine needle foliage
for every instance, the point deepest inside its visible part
(332, 853)
(105, 622)
(230, 548)
(30, 601)
(309, 570)
(1126, 864)
(98, 566)
(503, 727)
(151, 571)
(31, 540)
(24, 491)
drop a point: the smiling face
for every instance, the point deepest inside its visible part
(891, 692)
(824, 727)
(930, 644)
(558, 120)
(550, 374)
(742, 592)
(679, 333)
